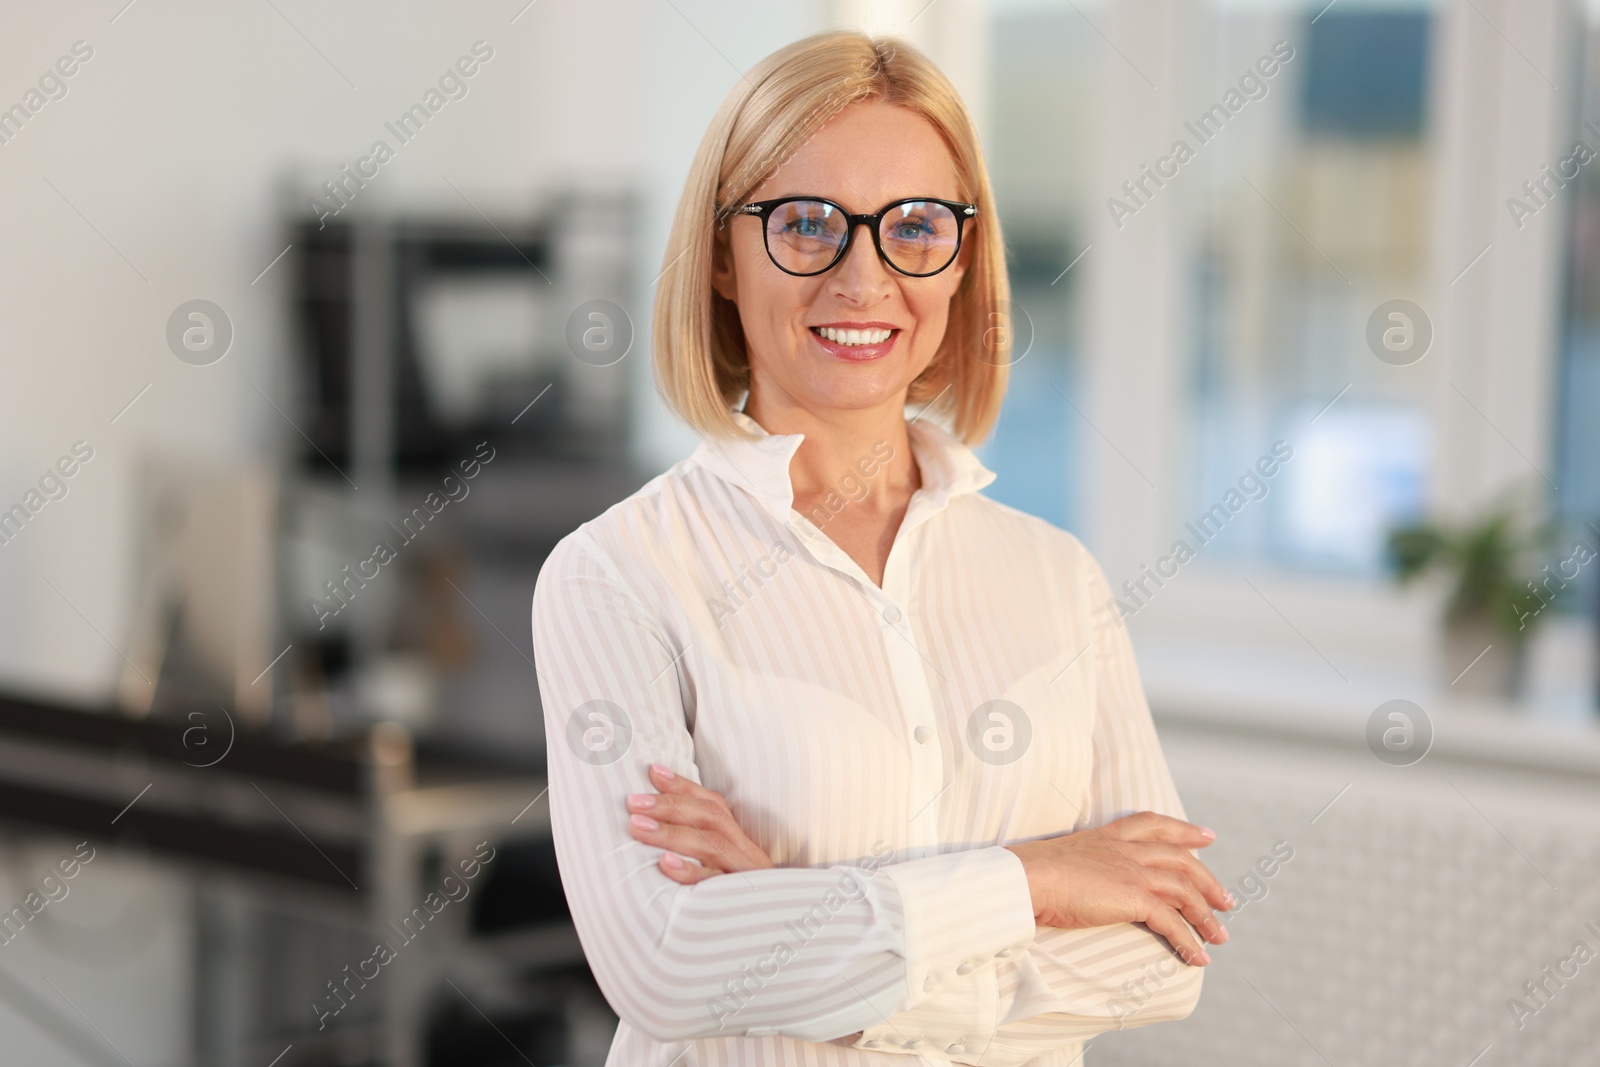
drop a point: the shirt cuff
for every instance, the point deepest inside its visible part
(962, 910)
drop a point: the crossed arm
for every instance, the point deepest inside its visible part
(1122, 905)
(1093, 964)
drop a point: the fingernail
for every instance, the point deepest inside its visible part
(1209, 832)
(671, 860)
(1233, 902)
(662, 770)
(1222, 934)
(644, 822)
(1205, 957)
(641, 800)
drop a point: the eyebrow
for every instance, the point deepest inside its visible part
(815, 196)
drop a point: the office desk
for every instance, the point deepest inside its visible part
(348, 834)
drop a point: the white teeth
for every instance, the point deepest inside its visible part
(854, 337)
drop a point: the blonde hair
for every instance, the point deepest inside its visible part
(701, 363)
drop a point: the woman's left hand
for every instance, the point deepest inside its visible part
(687, 819)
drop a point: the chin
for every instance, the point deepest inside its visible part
(856, 394)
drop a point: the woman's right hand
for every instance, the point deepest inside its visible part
(1134, 869)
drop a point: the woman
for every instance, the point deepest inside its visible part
(845, 765)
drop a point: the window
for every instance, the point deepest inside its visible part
(1042, 84)
(1313, 215)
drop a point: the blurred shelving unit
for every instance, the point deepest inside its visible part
(453, 409)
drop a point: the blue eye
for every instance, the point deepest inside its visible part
(912, 229)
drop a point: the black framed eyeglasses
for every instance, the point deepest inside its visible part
(806, 235)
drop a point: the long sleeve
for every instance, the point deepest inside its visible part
(814, 954)
(1071, 985)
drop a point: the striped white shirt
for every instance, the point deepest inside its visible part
(881, 744)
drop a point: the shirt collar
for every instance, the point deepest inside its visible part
(761, 466)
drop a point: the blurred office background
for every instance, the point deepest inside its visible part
(288, 427)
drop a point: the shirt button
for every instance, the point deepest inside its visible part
(913, 1043)
(891, 614)
(870, 1043)
(928, 983)
(965, 968)
(923, 734)
(956, 1048)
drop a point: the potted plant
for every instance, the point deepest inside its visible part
(1493, 606)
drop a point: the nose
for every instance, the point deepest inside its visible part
(862, 275)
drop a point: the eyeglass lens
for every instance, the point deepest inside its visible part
(918, 237)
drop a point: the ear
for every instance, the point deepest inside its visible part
(724, 278)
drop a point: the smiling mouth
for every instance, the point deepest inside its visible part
(853, 338)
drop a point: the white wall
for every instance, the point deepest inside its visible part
(170, 142)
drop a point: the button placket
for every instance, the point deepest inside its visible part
(927, 764)
(910, 673)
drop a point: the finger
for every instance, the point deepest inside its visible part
(1150, 826)
(682, 871)
(708, 847)
(1176, 890)
(694, 805)
(1154, 827)
(681, 808)
(701, 814)
(1170, 925)
(668, 781)
(690, 841)
(1185, 863)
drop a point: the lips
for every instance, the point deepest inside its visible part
(870, 342)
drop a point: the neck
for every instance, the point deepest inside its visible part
(844, 450)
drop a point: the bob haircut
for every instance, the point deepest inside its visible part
(702, 366)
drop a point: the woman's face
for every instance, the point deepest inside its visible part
(867, 156)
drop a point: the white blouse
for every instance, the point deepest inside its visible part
(881, 744)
